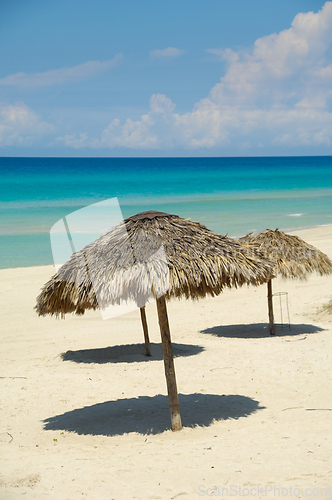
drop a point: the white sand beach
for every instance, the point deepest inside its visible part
(84, 413)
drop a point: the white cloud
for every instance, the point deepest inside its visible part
(281, 66)
(277, 93)
(60, 76)
(166, 53)
(73, 140)
(19, 125)
(132, 134)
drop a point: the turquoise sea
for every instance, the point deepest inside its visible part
(228, 195)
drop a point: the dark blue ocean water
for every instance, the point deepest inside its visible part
(228, 195)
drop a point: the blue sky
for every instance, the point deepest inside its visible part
(165, 78)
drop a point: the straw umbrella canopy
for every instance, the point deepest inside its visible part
(294, 258)
(152, 254)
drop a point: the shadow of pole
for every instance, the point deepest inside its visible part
(128, 353)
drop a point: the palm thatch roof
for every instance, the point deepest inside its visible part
(294, 257)
(151, 251)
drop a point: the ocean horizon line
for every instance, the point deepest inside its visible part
(168, 157)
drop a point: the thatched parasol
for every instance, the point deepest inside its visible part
(294, 258)
(158, 254)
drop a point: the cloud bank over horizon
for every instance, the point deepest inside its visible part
(277, 93)
(20, 126)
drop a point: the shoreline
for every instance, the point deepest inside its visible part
(312, 232)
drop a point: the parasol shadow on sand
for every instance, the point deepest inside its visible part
(258, 331)
(128, 353)
(149, 415)
(293, 257)
(152, 254)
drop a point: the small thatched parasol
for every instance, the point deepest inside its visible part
(152, 253)
(294, 258)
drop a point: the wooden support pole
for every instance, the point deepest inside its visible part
(173, 398)
(145, 330)
(270, 305)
